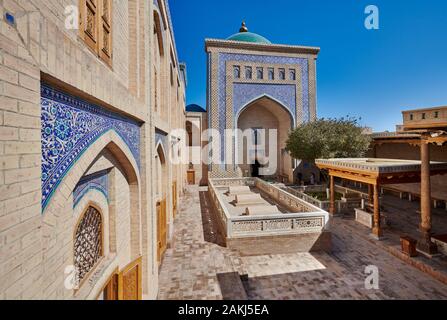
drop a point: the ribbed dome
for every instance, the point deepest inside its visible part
(245, 36)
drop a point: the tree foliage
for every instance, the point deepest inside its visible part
(328, 138)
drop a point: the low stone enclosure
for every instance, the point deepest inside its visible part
(350, 200)
(292, 225)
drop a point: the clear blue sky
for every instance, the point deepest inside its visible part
(372, 74)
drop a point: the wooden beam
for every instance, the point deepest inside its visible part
(353, 177)
(414, 142)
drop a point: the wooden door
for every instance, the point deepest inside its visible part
(111, 289)
(191, 177)
(174, 197)
(161, 229)
(130, 281)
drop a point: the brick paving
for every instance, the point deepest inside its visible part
(190, 267)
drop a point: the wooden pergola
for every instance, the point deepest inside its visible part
(376, 173)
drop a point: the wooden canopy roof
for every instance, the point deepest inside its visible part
(379, 171)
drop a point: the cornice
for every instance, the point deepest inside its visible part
(280, 48)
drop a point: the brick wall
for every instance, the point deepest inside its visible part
(20, 220)
(35, 247)
(255, 246)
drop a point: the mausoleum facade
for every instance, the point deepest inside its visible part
(254, 84)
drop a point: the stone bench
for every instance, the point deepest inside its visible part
(239, 190)
(248, 199)
(261, 210)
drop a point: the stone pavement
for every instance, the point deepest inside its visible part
(190, 267)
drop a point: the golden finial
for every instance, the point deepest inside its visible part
(243, 27)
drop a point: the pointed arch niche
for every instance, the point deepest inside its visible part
(268, 114)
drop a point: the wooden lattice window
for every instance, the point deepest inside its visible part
(96, 27)
(87, 243)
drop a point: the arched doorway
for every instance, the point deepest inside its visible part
(161, 196)
(258, 119)
(255, 169)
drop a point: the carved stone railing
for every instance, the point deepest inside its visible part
(340, 205)
(279, 224)
(306, 218)
(218, 202)
(284, 197)
(307, 198)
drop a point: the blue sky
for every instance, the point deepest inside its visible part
(372, 74)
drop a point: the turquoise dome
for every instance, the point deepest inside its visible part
(245, 36)
(249, 37)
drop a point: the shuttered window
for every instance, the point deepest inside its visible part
(96, 27)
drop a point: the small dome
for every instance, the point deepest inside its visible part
(245, 36)
(194, 108)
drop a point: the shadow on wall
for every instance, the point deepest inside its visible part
(307, 173)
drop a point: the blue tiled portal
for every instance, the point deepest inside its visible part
(162, 138)
(271, 89)
(69, 126)
(244, 93)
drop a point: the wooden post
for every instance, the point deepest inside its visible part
(425, 244)
(377, 231)
(332, 197)
(370, 193)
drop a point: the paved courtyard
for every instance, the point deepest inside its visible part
(190, 266)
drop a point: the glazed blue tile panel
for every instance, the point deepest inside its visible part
(98, 181)
(244, 93)
(161, 137)
(223, 58)
(69, 126)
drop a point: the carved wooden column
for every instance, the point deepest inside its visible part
(332, 195)
(370, 194)
(377, 230)
(425, 244)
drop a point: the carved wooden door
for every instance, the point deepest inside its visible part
(191, 177)
(174, 197)
(162, 229)
(130, 281)
(111, 289)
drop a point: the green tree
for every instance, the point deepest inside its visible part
(328, 138)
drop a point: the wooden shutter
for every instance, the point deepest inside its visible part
(89, 23)
(105, 40)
